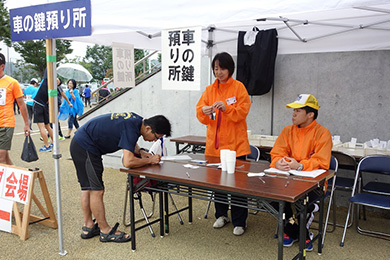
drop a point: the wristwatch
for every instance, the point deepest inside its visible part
(300, 167)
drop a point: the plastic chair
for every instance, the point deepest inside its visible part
(373, 194)
(255, 154)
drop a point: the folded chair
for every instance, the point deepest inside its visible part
(372, 194)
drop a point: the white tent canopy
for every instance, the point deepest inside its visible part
(304, 26)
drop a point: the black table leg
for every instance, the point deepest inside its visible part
(166, 209)
(280, 229)
(132, 217)
(161, 205)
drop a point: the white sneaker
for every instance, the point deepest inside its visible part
(238, 231)
(220, 222)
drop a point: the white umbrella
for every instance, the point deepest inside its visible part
(74, 71)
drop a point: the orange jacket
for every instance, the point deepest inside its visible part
(233, 130)
(12, 91)
(310, 146)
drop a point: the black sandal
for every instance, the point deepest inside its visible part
(112, 237)
(90, 232)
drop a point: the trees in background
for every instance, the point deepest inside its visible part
(33, 53)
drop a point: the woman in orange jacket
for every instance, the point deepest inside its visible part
(223, 107)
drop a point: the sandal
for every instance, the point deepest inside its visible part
(112, 237)
(90, 232)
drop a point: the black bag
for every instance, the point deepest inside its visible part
(29, 153)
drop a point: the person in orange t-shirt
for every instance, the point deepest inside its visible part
(223, 107)
(304, 145)
(9, 92)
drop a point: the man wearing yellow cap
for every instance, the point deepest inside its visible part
(304, 146)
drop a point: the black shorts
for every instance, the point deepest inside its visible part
(41, 114)
(89, 167)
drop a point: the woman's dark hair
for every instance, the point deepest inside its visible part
(310, 109)
(159, 124)
(74, 83)
(225, 62)
(60, 82)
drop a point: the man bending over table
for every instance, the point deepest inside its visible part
(107, 134)
(304, 146)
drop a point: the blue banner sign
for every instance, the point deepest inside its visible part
(51, 21)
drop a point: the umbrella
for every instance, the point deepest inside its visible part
(74, 71)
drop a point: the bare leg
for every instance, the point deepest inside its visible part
(42, 130)
(50, 131)
(4, 157)
(87, 213)
(97, 208)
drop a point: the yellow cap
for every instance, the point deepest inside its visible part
(304, 100)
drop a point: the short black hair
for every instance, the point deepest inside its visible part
(310, 109)
(74, 83)
(159, 124)
(2, 59)
(225, 61)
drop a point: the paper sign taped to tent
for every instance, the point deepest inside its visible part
(15, 184)
(181, 56)
(123, 65)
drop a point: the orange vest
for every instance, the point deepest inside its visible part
(233, 130)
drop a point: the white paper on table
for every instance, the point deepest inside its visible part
(274, 170)
(219, 165)
(311, 174)
(254, 174)
(175, 158)
(190, 166)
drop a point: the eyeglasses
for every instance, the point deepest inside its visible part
(156, 136)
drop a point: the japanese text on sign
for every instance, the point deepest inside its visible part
(181, 58)
(123, 65)
(63, 19)
(15, 184)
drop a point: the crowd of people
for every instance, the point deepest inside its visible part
(223, 108)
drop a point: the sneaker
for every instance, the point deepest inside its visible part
(51, 145)
(220, 222)
(61, 138)
(288, 241)
(67, 136)
(309, 246)
(238, 231)
(45, 149)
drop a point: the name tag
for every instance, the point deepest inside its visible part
(3, 94)
(231, 100)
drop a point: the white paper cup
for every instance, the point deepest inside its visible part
(231, 162)
(231, 165)
(222, 155)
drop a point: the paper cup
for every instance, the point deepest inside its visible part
(231, 162)
(231, 166)
(222, 154)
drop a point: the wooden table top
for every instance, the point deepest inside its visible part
(274, 188)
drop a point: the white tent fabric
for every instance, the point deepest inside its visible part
(304, 26)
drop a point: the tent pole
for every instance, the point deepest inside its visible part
(210, 45)
(53, 112)
(272, 109)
